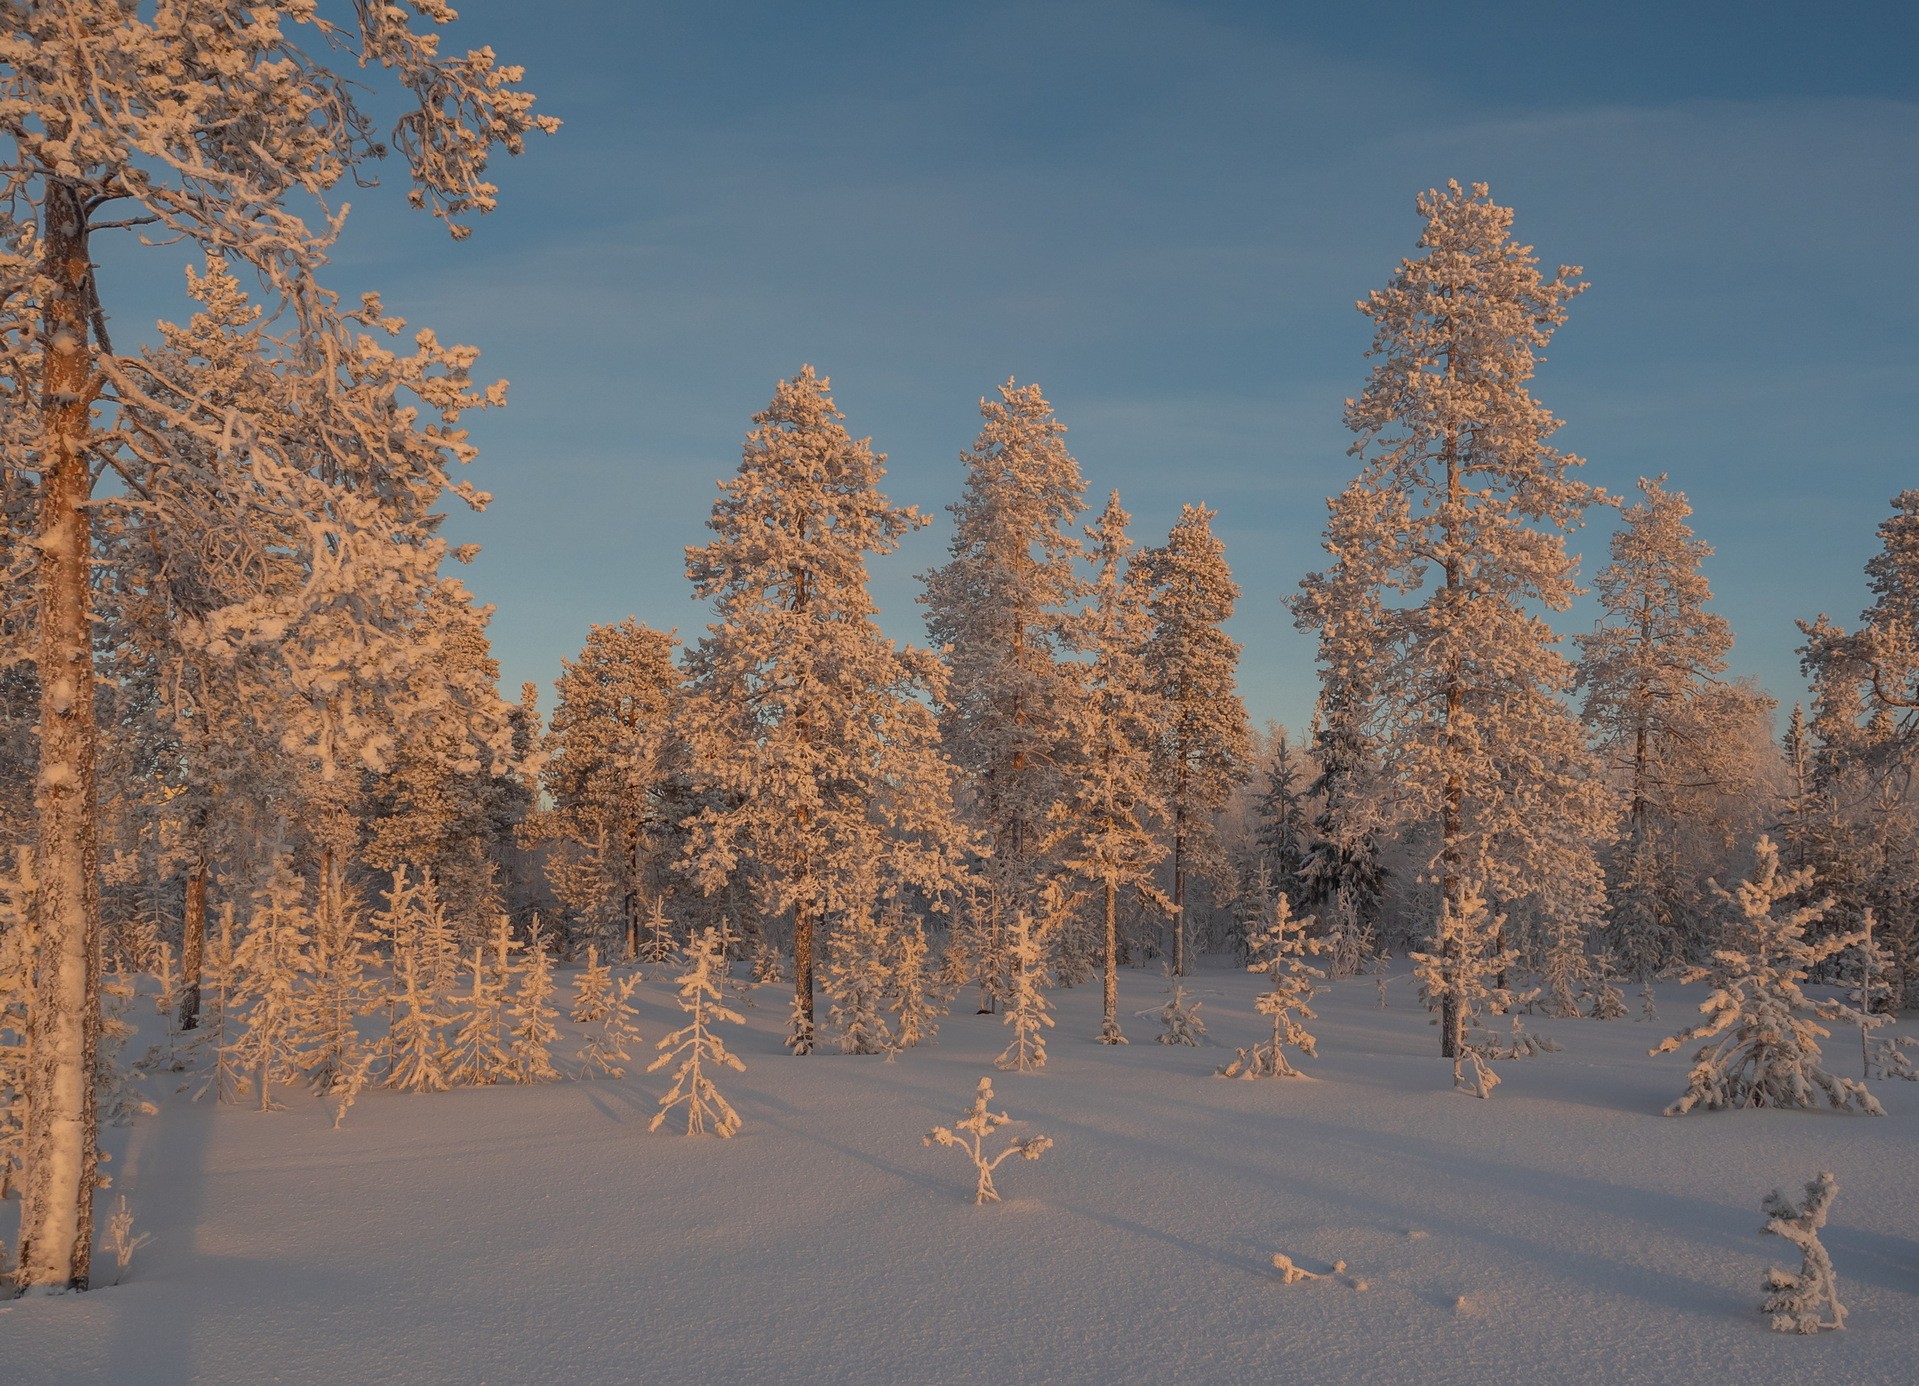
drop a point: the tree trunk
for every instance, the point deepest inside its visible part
(1109, 1027)
(1179, 900)
(193, 945)
(1452, 1021)
(62, 1152)
(802, 1037)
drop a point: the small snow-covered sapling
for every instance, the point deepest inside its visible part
(696, 1045)
(1798, 1302)
(979, 1123)
(121, 1238)
(1179, 1020)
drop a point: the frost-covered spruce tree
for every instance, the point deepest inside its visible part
(858, 970)
(1281, 951)
(1674, 734)
(1463, 967)
(1763, 1029)
(912, 992)
(335, 1060)
(808, 728)
(1807, 1300)
(1459, 516)
(478, 1053)
(1204, 744)
(95, 140)
(608, 762)
(1284, 832)
(592, 990)
(416, 1049)
(1005, 609)
(1114, 846)
(1178, 1018)
(270, 968)
(609, 1042)
(1027, 1009)
(696, 1045)
(533, 1014)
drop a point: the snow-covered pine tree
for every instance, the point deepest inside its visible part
(1801, 1301)
(132, 152)
(1281, 951)
(979, 1122)
(697, 1045)
(1459, 978)
(1004, 608)
(416, 1049)
(807, 728)
(1204, 744)
(608, 752)
(1284, 833)
(1114, 846)
(1179, 1021)
(1764, 1030)
(334, 1059)
(270, 967)
(912, 992)
(608, 1047)
(1673, 733)
(858, 971)
(478, 1053)
(533, 1014)
(1460, 514)
(1027, 1009)
(592, 990)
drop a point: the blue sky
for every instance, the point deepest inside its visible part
(1163, 213)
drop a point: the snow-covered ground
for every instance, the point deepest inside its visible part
(1563, 1231)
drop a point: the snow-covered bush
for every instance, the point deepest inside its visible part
(695, 1045)
(979, 1122)
(1179, 1017)
(1763, 1028)
(1799, 1303)
(1281, 950)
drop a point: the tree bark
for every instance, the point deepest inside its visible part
(56, 1223)
(802, 1037)
(1109, 1027)
(193, 945)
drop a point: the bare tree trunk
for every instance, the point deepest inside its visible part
(1179, 900)
(1452, 1021)
(802, 1037)
(56, 1223)
(193, 944)
(1109, 1027)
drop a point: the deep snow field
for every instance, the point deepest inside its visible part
(1562, 1231)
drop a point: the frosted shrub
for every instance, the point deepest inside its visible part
(969, 1134)
(1763, 1028)
(695, 1045)
(120, 1236)
(1179, 1017)
(1799, 1303)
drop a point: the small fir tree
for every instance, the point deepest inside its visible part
(979, 1122)
(1806, 1301)
(608, 1047)
(1027, 1009)
(592, 990)
(269, 968)
(533, 1015)
(1460, 980)
(858, 972)
(1763, 1030)
(478, 1053)
(696, 1045)
(1281, 951)
(912, 993)
(1178, 1018)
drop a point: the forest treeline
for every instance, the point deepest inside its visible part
(252, 739)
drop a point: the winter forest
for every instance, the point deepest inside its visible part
(362, 1018)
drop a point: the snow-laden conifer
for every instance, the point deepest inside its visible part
(611, 1038)
(1762, 1029)
(1281, 951)
(592, 990)
(912, 990)
(697, 1045)
(1178, 1017)
(1027, 1009)
(270, 967)
(1204, 744)
(477, 1052)
(808, 730)
(968, 1136)
(608, 756)
(1446, 552)
(335, 1061)
(858, 971)
(416, 1048)
(533, 1014)
(1460, 980)
(1806, 1300)
(1005, 609)
(1114, 846)
(1674, 734)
